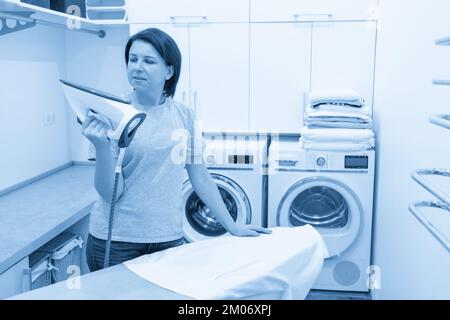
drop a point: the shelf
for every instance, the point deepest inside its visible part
(418, 176)
(443, 41)
(46, 16)
(438, 235)
(442, 120)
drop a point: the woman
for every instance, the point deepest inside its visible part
(148, 213)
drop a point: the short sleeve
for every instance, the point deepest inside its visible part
(195, 142)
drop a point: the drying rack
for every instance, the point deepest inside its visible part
(442, 120)
(444, 201)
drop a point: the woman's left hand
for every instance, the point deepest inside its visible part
(248, 231)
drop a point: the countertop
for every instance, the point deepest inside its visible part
(36, 213)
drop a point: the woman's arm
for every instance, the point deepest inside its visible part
(207, 190)
(95, 131)
(105, 175)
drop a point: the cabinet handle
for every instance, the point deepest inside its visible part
(189, 18)
(195, 102)
(310, 16)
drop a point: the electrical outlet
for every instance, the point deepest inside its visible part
(49, 117)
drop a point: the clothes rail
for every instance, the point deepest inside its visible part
(7, 15)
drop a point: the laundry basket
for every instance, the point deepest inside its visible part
(64, 252)
(39, 273)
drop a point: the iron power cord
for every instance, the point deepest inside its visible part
(118, 171)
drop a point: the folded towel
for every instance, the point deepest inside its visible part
(336, 146)
(336, 135)
(342, 109)
(315, 124)
(337, 116)
(336, 96)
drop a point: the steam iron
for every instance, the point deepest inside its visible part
(124, 117)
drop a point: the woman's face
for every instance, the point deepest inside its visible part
(146, 68)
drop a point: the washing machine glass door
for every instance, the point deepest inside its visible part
(326, 204)
(200, 223)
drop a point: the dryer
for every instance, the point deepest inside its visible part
(332, 191)
(236, 163)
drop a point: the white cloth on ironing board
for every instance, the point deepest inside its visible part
(281, 265)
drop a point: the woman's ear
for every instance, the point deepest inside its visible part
(170, 72)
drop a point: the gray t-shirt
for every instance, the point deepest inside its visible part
(150, 207)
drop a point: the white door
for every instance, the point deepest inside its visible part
(326, 204)
(219, 65)
(344, 57)
(179, 33)
(170, 11)
(280, 55)
(312, 10)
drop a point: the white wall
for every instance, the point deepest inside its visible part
(31, 62)
(96, 62)
(413, 265)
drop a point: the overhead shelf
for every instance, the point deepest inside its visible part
(14, 9)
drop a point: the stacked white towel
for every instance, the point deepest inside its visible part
(337, 120)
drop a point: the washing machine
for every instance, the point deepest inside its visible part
(237, 163)
(333, 192)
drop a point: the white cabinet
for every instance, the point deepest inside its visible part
(180, 35)
(344, 57)
(219, 74)
(214, 78)
(169, 11)
(312, 10)
(280, 58)
(12, 281)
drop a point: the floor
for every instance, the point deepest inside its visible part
(337, 295)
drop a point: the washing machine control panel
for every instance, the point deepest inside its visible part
(337, 161)
(356, 162)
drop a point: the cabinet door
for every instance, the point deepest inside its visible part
(219, 55)
(179, 33)
(344, 57)
(169, 11)
(13, 281)
(280, 58)
(312, 10)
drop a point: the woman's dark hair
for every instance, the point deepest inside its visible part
(168, 50)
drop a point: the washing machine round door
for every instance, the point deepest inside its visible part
(199, 222)
(326, 204)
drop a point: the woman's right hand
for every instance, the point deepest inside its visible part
(95, 131)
